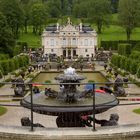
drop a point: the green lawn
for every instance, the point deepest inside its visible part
(113, 32)
(3, 110)
(34, 41)
(137, 111)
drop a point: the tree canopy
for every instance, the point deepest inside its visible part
(129, 15)
(7, 41)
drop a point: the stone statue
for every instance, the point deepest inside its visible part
(57, 26)
(113, 121)
(19, 89)
(25, 121)
(69, 22)
(69, 71)
(118, 87)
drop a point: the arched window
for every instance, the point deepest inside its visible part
(64, 42)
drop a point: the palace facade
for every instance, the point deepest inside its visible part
(69, 40)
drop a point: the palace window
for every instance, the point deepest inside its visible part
(52, 42)
(64, 42)
(86, 50)
(86, 42)
(51, 50)
(74, 41)
(91, 42)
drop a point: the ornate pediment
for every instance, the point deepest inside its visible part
(69, 28)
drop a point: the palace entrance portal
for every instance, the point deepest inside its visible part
(69, 53)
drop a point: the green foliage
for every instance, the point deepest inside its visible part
(133, 66)
(4, 56)
(48, 81)
(127, 64)
(100, 12)
(11, 65)
(91, 81)
(16, 62)
(129, 15)
(113, 45)
(7, 41)
(17, 50)
(115, 60)
(38, 17)
(31, 76)
(5, 67)
(107, 45)
(122, 62)
(80, 9)
(124, 49)
(135, 55)
(138, 70)
(14, 15)
(136, 47)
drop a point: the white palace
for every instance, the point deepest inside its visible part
(69, 40)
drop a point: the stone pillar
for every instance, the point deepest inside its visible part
(71, 53)
(66, 52)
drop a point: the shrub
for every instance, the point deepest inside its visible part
(5, 66)
(113, 45)
(4, 56)
(16, 62)
(17, 50)
(127, 64)
(31, 76)
(138, 71)
(48, 81)
(115, 60)
(135, 55)
(133, 66)
(91, 81)
(11, 65)
(122, 62)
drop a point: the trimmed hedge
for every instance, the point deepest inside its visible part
(10, 65)
(113, 45)
(135, 55)
(124, 49)
(126, 64)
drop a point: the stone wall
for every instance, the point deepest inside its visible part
(129, 132)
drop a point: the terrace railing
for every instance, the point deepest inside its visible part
(132, 99)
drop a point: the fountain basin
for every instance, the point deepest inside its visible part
(52, 106)
(71, 102)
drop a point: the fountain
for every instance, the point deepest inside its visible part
(69, 104)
